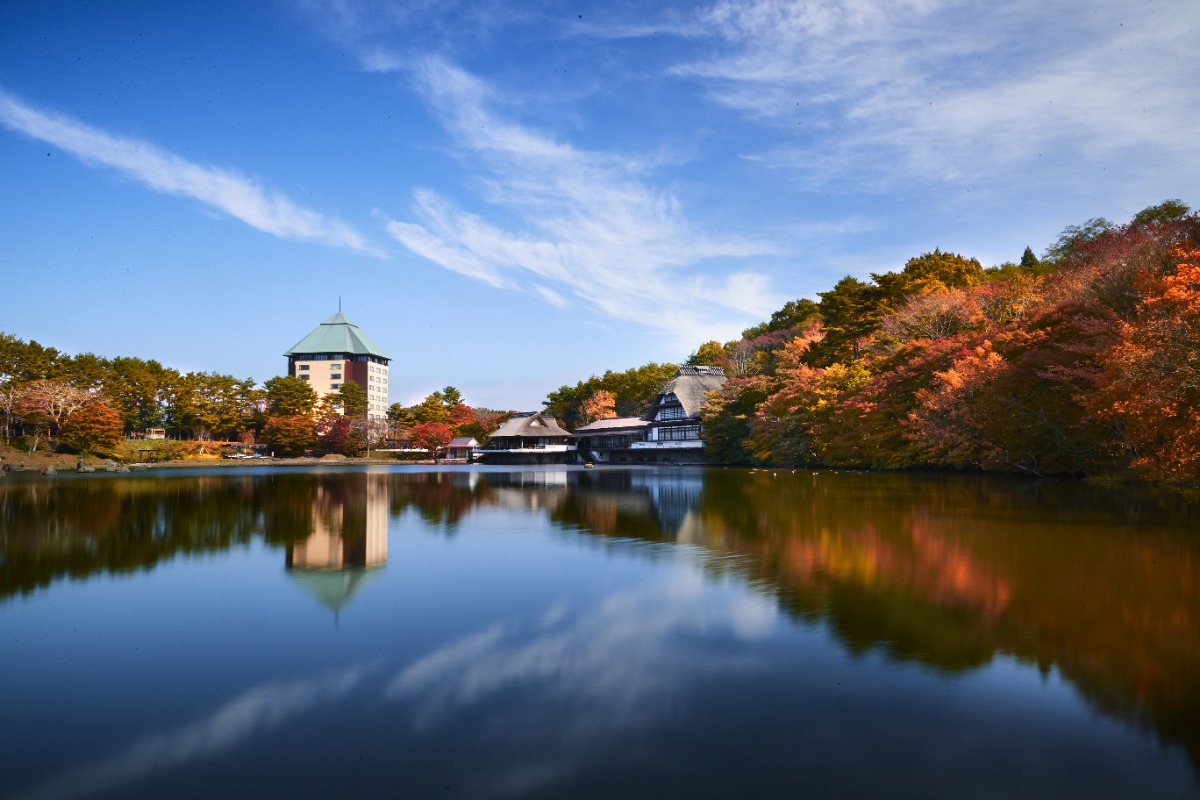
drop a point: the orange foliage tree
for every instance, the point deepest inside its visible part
(96, 424)
(1151, 380)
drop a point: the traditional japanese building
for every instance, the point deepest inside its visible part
(530, 431)
(668, 433)
(608, 441)
(337, 351)
(529, 438)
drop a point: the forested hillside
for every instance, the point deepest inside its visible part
(1086, 361)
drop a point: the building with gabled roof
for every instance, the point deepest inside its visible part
(606, 440)
(337, 351)
(674, 416)
(529, 430)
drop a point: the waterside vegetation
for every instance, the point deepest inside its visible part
(1083, 362)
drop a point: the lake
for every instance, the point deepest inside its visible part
(491, 633)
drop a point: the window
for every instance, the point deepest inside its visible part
(336, 377)
(303, 377)
(304, 367)
(676, 433)
(335, 386)
(670, 412)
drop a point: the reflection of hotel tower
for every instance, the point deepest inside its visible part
(348, 543)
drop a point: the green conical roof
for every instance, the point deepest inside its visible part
(337, 335)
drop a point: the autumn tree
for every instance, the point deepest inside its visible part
(934, 315)
(94, 425)
(289, 436)
(337, 434)
(708, 353)
(43, 405)
(601, 405)
(432, 436)
(1151, 378)
(929, 272)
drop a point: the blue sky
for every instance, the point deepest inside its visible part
(512, 196)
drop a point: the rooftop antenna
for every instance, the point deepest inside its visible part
(339, 304)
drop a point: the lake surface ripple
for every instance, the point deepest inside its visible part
(485, 633)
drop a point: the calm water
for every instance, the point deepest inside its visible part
(595, 633)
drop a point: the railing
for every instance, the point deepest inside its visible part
(669, 444)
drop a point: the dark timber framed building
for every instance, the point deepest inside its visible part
(669, 433)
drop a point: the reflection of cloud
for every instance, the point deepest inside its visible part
(260, 709)
(615, 666)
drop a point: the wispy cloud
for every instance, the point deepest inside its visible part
(879, 91)
(229, 192)
(590, 227)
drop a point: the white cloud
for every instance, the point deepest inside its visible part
(587, 224)
(875, 91)
(228, 192)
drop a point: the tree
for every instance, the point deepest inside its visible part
(600, 405)
(706, 354)
(1073, 236)
(288, 396)
(95, 424)
(1151, 379)
(289, 436)
(132, 386)
(795, 315)
(1028, 260)
(43, 405)
(353, 399)
(400, 415)
(929, 272)
(431, 436)
(431, 409)
(337, 434)
(850, 314)
(460, 415)
(633, 390)
(1166, 211)
(934, 315)
(451, 397)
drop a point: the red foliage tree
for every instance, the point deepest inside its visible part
(432, 436)
(96, 424)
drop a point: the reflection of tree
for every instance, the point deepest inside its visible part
(77, 528)
(441, 498)
(949, 571)
(944, 571)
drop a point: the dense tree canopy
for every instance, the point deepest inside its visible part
(1083, 363)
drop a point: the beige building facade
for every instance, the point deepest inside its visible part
(337, 351)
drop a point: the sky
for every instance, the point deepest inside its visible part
(512, 196)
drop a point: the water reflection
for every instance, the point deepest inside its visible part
(348, 543)
(1098, 585)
